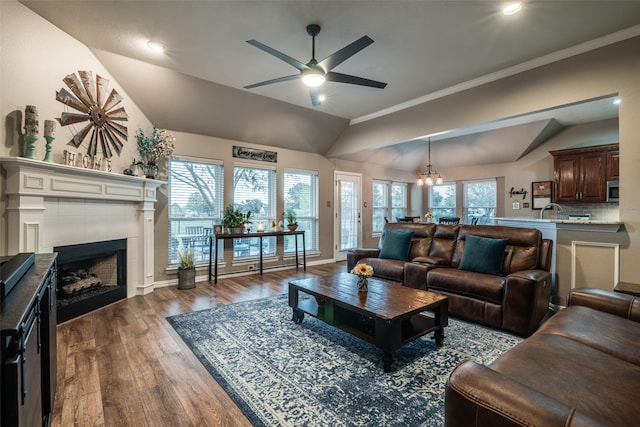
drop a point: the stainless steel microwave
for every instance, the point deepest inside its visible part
(613, 191)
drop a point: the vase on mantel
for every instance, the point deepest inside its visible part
(151, 170)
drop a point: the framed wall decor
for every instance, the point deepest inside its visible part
(541, 193)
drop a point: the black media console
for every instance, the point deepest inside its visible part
(28, 332)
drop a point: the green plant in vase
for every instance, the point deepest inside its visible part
(292, 222)
(234, 220)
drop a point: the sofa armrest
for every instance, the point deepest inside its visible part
(355, 255)
(476, 395)
(415, 275)
(525, 300)
(617, 303)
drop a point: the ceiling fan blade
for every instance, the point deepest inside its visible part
(353, 80)
(315, 96)
(337, 58)
(286, 58)
(277, 80)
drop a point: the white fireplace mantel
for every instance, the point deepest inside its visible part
(51, 205)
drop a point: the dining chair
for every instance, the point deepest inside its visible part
(449, 220)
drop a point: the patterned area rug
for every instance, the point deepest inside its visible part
(312, 374)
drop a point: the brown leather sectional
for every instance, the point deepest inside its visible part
(581, 368)
(516, 301)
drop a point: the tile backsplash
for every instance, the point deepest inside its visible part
(598, 211)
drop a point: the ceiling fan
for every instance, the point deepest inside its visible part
(314, 73)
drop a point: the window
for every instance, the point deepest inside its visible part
(380, 203)
(195, 205)
(398, 200)
(442, 200)
(479, 201)
(254, 190)
(301, 196)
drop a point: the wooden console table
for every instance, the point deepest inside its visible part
(213, 247)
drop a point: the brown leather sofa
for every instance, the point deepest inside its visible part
(515, 301)
(581, 368)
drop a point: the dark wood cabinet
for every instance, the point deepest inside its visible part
(613, 165)
(28, 320)
(581, 174)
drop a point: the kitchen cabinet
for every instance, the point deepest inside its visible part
(28, 319)
(580, 175)
(613, 165)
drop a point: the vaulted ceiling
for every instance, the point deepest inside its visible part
(421, 49)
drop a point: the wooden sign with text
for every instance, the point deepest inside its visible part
(251, 154)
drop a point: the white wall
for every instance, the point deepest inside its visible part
(36, 56)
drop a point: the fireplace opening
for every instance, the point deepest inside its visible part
(90, 276)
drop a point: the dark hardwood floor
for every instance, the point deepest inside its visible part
(124, 365)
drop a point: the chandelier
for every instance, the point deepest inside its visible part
(428, 175)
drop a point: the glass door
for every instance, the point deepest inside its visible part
(348, 224)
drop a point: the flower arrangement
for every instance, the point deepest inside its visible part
(428, 215)
(155, 146)
(363, 271)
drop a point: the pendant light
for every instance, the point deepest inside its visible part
(428, 176)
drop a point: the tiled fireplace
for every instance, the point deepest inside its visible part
(51, 205)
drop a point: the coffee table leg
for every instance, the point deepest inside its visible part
(298, 316)
(387, 360)
(439, 336)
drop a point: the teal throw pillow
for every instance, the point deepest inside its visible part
(396, 245)
(483, 255)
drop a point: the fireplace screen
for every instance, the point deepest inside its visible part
(90, 276)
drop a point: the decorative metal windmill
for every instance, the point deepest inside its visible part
(98, 108)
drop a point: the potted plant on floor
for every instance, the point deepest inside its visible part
(234, 220)
(186, 269)
(292, 222)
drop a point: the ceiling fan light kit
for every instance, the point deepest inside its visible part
(314, 73)
(512, 8)
(313, 76)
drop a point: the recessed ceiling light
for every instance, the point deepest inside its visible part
(512, 8)
(156, 46)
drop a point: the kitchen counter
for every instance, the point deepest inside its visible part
(601, 225)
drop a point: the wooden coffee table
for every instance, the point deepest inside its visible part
(388, 315)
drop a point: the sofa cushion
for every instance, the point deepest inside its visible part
(483, 287)
(396, 245)
(390, 269)
(483, 255)
(621, 340)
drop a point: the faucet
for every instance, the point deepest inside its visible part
(551, 205)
